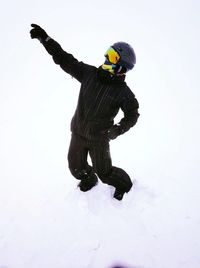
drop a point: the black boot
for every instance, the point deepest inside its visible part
(118, 194)
(88, 183)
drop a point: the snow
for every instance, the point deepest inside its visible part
(45, 221)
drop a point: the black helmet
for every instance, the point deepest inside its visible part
(127, 55)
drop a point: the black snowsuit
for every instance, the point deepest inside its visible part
(100, 98)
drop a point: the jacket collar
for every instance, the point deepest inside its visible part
(107, 77)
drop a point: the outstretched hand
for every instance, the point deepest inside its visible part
(38, 32)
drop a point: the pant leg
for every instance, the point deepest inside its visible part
(101, 160)
(77, 157)
(102, 164)
(121, 179)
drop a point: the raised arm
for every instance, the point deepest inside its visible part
(66, 61)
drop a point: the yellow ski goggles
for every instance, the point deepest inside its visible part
(112, 55)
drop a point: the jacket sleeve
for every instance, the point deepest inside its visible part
(66, 61)
(129, 106)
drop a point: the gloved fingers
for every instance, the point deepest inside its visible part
(35, 26)
(113, 132)
(38, 32)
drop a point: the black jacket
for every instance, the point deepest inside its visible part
(100, 98)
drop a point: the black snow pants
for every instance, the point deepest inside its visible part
(99, 152)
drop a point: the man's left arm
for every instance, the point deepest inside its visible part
(129, 106)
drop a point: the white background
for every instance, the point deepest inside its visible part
(45, 221)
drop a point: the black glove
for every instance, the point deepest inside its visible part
(38, 32)
(114, 132)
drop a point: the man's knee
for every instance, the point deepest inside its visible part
(80, 172)
(116, 177)
(74, 166)
(122, 179)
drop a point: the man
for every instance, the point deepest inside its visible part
(103, 92)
